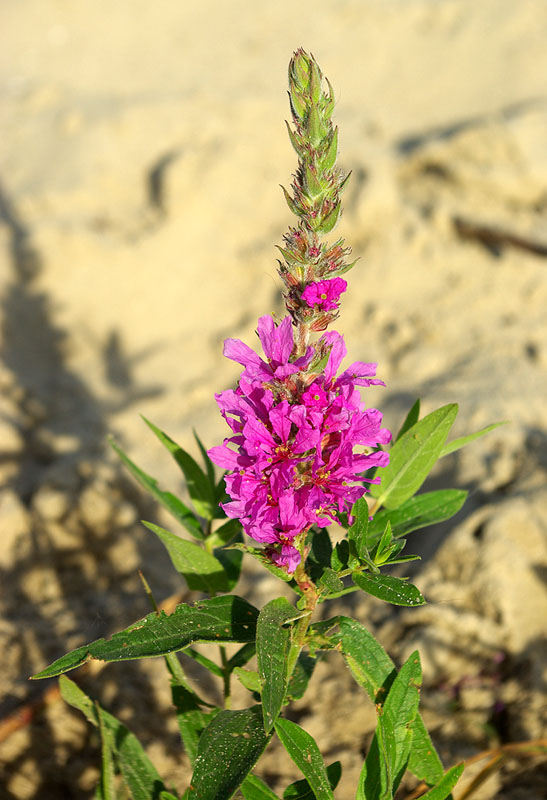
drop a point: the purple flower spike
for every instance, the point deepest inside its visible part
(325, 294)
(291, 459)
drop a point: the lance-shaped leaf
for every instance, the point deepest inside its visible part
(228, 749)
(301, 674)
(376, 778)
(138, 772)
(222, 619)
(418, 512)
(253, 788)
(373, 669)
(191, 718)
(410, 420)
(174, 506)
(457, 444)
(445, 786)
(273, 641)
(301, 790)
(201, 570)
(389, 588)
(412, 457)
(305, 753)
(200, 490)
(401, 706)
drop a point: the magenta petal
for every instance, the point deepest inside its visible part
(240, 352)
(337, 353)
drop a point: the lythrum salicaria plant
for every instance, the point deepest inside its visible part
(304, 452)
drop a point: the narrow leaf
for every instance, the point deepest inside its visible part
(373, 669)
(443, 789)
(201, 570)
(199, 488)
(174, 506)
(192, 720)
(228, 749)
(209, 466)
(301, 790)
(249, 679)
(389, 588)
(457, 444)
(303, 750)
(302, 672)
(253, 788)
(412, 457)
(273, 641)
(411, 419)
(138, 772)
(222, 619)
(418, 512)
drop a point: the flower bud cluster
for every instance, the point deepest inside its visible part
(301, 440)
(315, 199)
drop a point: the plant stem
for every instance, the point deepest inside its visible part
(226, 676)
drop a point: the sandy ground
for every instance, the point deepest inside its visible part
(143, 145)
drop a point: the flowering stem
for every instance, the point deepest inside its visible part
(226, 676)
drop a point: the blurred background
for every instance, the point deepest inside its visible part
(143, 148)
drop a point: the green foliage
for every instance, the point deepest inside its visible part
(253, 788)
(222, 619)
(412, 457)
(417, 512)
(228, 749)
(201, 570)
(301, 790)
(273, 642)
(174, 506)
(304, 751)
(122, 751)
(200, 488)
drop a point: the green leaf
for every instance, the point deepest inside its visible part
(376, 778)
(228, 749)
(168, 796)
(192, 720)
(389, 588)
(249, 679)
(273, 642)
(174, 506)
(200, 490)
(329, 583)
(373, 669)
(358, 532)
(201, 570)
(107, 780)
(243, 655)
(301, 790)
(418, 512)
(302, 672)
(340, 555)
(222, 619)
(444, 788)
(320, 552)
(424, 762)
(401, 706)
(383, 549)
(253, 788)
(411, 419)
(457, 444)
(138, 772)
(304, 752)
(209, 466)
(224, 535)
(412, 457)
(231, 561)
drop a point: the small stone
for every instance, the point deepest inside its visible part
(12, 443)
(15, 521)
(96, 508)
(51, 503)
